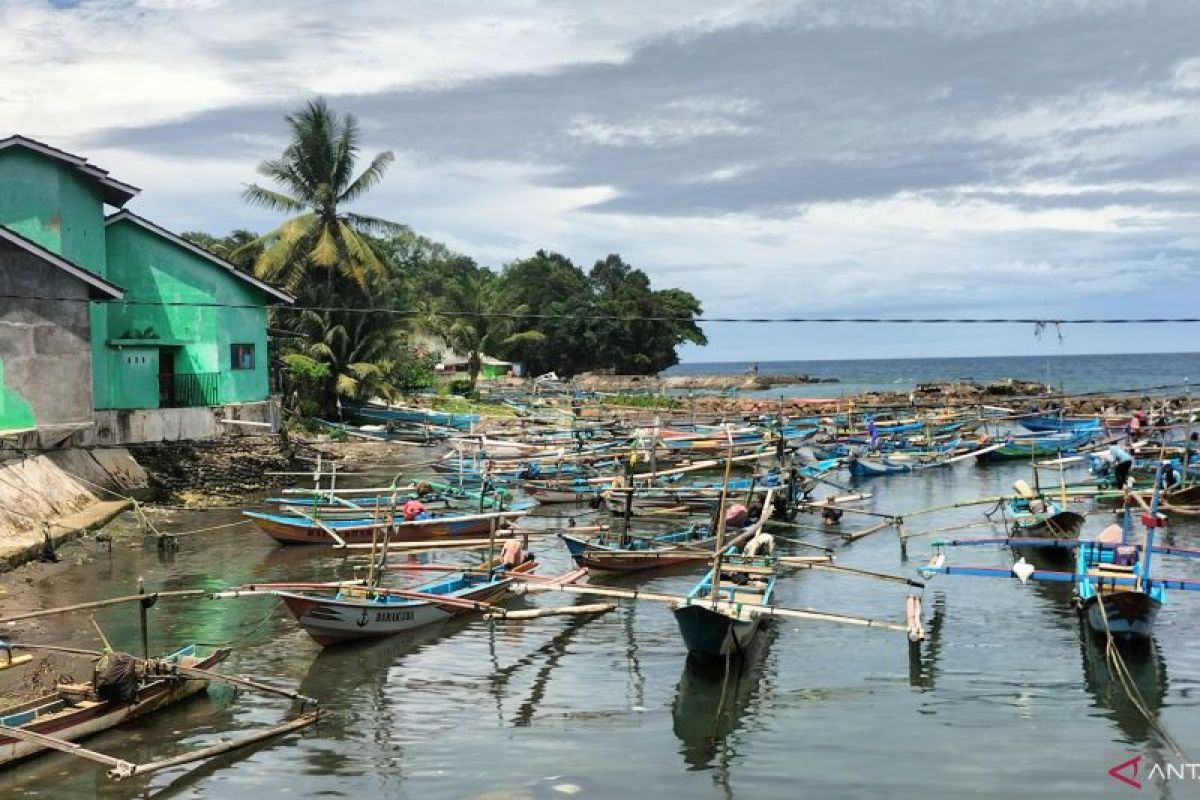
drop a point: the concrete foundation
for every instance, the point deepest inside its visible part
(143, 426)
(61, 494)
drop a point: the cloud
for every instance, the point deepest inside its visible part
(831, 156)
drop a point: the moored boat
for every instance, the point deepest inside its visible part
(75, 711)
(306, 529)
(353, 613)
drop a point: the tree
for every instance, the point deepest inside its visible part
(636, 330)
(474, 315)
(558, 299)
(240, 247)
(316, 181)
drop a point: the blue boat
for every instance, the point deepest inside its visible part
(1115, 595)
(420, 416)
(1050, 423)
(717, 620)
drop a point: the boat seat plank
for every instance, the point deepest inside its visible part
(748, 569)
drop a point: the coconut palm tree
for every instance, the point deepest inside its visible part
(316, 181)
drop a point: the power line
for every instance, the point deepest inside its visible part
(412, 312)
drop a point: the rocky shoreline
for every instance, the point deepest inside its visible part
(661, 384)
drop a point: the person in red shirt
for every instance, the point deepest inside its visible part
(414, 510)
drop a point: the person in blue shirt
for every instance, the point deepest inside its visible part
(1122, 464)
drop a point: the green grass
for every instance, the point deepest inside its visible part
(661, 401)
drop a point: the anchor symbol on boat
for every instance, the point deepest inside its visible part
(362, 621)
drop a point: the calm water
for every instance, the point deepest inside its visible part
(1003, 700)
(1072, 373)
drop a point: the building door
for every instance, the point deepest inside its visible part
(166, 377)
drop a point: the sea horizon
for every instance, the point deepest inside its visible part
(1073, 373)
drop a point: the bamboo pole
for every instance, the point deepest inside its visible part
(538, 613)
(854, 536)
(824, 565)
(99, 604)
(63, 746)
(720, 605)
(125, 770)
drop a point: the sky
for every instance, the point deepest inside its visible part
(1025, 158)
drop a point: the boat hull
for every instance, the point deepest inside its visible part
(1126, 617)
(711, 635)
(599, 558)
(331, 621)
(290, 531)
(73, 725)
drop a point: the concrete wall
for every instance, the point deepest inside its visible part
(153, 270)
(66, 491)
(62, 210)
(137, 426)
(45, 355)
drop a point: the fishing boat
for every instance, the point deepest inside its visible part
(74, 711)
(373, 413)
(300, 528)
(716, 618)
(1053, 444)
(352, 613)
(1052, 423)
(1034, 514)
(611, 552)
(1115, 595)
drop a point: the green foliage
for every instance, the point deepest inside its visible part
(542, 311)
(644, 401)
(315, 176)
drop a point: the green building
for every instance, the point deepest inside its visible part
(191, 329)
(169, 326)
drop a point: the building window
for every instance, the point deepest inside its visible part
(242, 356)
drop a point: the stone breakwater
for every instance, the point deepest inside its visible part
(192, 472)
(593, 382)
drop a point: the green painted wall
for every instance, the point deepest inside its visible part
(54, 205)
(60, 209)
(153, 269)
(15, 412)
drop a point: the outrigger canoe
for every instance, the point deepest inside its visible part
(304, 529)
(357, 613)
(74, 711)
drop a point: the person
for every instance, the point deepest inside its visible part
(831, 515)
(415, 510)
(762, 544)
(1171, 477)
(511, 554)
(1122, 464)
(873, 432)
(1135, 425)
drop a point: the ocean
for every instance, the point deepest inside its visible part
(1072, 373)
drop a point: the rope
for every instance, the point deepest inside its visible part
(1117, 665)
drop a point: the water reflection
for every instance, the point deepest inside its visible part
(711, 705)
(1146, 672)
(923, 656)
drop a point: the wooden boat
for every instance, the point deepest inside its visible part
(715, 630)
(73, 711)
(422, 416)
(353, 613)
(1034, 514)
(1027, 447)
(310, 529)
(1115, 595)
(1051, 423)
